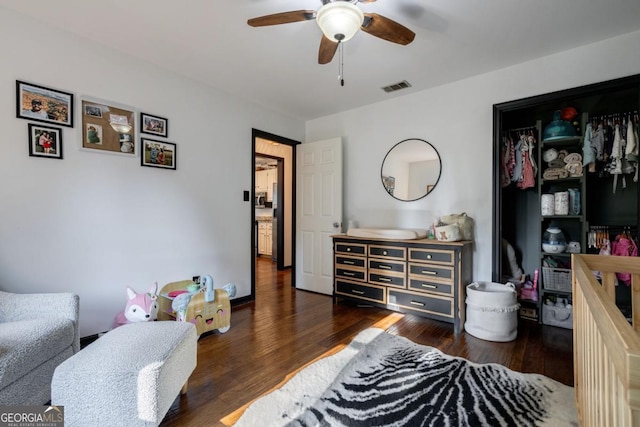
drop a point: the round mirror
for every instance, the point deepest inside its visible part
(411, 169)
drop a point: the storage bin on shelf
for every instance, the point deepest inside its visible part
(556, 279)
(558, 314)
(492, 311)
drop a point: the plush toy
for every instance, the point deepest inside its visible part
(139, 308)
(230, 289)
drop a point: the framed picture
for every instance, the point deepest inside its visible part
(42, 104)
(107, 127)
(45, 141)
(154, 125)
(389, 183)
(158, 154)
(92, 110)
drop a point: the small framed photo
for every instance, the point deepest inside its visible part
(93, 134)
(154, 125)
(158, 154)
(93, 110)
(45, 141)
(41, 104)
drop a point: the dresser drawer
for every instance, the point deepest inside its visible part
(361, 291)
(431, 273)
(418, 284)
(398, 281)
(437, 256)
(383, 266)
(350, 262)
(425, 303)
(388, 252)
(351, 248)
(351, 274)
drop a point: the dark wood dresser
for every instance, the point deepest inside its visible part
(424, 277)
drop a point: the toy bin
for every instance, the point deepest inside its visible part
(492, 311)
(557, 314)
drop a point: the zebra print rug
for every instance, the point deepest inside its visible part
(385, 380)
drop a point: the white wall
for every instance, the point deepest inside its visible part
(94, 223)
(457, 119)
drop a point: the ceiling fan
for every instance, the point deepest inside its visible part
(339, 20)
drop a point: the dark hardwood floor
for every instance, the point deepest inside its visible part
(285, 328)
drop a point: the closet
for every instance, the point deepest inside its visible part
(541, 184)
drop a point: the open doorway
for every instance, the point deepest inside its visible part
(273, 211)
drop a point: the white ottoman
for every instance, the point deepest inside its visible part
(128, 377)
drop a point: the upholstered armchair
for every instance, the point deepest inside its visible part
(37, 333)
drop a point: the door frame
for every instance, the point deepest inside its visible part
(256, 133)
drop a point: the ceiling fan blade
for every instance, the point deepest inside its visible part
(282, 18)
(387, 29)
(327, 50)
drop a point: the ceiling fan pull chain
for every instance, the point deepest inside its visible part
(341, 64)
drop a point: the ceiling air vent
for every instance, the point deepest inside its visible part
(396, 86)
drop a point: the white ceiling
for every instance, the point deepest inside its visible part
(210, 41)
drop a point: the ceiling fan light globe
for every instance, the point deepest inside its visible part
(339, 21)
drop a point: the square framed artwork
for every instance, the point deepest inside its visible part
(42, 104)
(154, 125)
(158, 154)
(108, 128)
(45, 141)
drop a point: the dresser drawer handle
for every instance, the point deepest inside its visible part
(384, 253)
(348, 273)
(425, 285)
(433, 273)
(348, 262)
(418, 303)
(384, 279)
(385, 267)
(348, 249)
(357, 292)
(429, 257)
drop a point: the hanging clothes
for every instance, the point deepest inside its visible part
(588, 151)
(517, 168)
(528, 163)
(608, 139)
(624, 245)
(615, 167)
(605, 249)
(507, 161)
(597, 142)
(631, 151)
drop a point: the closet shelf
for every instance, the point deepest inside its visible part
(570, 179)
(560, 254)
(562, 142)
(545, 217)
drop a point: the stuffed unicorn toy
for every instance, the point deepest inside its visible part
(139, 308)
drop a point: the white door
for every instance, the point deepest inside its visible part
(318, 212)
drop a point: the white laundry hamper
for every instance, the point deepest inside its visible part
(492, 311)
